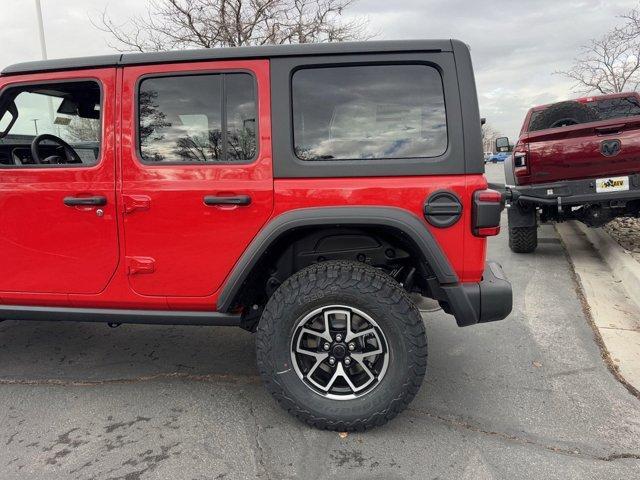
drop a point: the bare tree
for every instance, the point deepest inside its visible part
(83, 130)
(611, 63)
(489, 136)
(178, 24)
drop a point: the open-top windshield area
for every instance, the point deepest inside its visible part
(69, 111)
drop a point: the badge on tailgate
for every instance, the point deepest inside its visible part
(612, 184)
(610, 148)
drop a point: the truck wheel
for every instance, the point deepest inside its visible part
(523, 239)
(563, 114)
(341, 346)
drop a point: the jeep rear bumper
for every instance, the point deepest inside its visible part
(485, 301)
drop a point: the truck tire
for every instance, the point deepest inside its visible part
(363, 320)
(563, 114)
(523, 239)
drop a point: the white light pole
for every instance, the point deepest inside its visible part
(43, 50)
(43, 45)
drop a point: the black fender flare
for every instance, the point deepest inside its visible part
(389, 217)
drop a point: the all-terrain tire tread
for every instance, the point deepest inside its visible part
(523, 239)
(340, 275)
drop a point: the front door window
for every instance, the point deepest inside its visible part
(66, 116)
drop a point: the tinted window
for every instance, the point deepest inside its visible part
(535, 114)
(616, 108)
(606, 109)
(198, 118)
(368, 112)
(241, 117)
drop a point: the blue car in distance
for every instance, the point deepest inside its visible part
(497, 157)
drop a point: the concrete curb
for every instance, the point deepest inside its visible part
(625, 267)
(610, 307)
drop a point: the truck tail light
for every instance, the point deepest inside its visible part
(520, 164)
(487, 207)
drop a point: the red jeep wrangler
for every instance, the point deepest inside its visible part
(574, 160)
(302, 192)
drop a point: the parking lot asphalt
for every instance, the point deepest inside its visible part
(527, 397)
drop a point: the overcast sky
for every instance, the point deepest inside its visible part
(516, 45)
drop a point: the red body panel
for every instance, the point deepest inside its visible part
(158, 246)
(194, 246)
(52, 249)
(573, 152)
(465, 251)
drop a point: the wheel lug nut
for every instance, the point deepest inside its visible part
(352, 346)
(326, 346)
(347, 361)
(338, 338)
(332, 361)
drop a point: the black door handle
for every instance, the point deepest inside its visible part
(96, 201)
(242, 200)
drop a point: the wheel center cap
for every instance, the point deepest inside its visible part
(339, 351)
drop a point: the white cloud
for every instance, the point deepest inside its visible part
(516, 45)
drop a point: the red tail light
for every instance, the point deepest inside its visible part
(487, 206)
(520, 164)
(487, 232)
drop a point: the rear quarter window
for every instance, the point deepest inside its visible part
(616, 108)
(368, 112)
(604, 109)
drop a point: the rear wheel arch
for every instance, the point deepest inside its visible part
(386, 223)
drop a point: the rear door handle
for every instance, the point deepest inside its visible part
(97, 201)
(241, 200)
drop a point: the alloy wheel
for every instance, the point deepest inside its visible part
(339, 352)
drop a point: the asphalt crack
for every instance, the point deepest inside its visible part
(216, 378)
(115, 426)
(523, 440)
(10, 440)
(258, 446)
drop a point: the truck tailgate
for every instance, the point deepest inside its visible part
(592, 150)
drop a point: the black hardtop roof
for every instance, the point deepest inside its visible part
(120, 59)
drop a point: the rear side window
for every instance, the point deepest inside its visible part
(197, 118)
(616, 108)
(604, 109)
(368, 112)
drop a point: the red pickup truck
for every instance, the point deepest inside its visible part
(574, 160)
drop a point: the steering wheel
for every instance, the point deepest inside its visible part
(69, 153)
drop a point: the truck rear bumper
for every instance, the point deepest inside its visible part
(573, 192)
(489, 300)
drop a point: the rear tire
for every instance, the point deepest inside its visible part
(523, 239)
(294, 334)
(563, 114)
